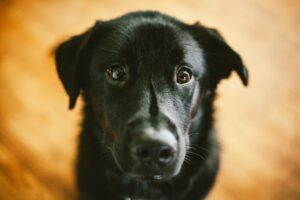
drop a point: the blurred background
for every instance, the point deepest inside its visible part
(258, 126)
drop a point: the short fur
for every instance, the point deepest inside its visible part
(153, 45)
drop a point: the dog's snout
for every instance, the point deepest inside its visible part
(153, 154)
(153, 148)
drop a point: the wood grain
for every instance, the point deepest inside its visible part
(258, 126)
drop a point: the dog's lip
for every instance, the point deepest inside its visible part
(147, 177)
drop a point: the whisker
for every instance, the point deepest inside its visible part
(196, 154)
(188, 160)
(195, 146)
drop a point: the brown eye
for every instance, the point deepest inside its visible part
(183, 76)
(116, 72)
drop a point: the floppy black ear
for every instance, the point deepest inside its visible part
(220, 58)
(70, 57)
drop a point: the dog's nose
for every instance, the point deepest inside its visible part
(153, 154)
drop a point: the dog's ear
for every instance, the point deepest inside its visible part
(71, 62)
(220, 58)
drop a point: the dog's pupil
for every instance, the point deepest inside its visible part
(183, 77)
(117, 73)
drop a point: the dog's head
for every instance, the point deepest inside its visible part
(145, 75)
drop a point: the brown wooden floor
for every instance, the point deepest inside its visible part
(259, 126)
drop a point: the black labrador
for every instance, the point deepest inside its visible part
(148, 81)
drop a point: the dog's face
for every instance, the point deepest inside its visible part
(145, 75)
(144, 84)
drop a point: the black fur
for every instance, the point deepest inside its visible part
(153, 46)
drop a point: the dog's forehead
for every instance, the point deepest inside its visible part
(151, 42)
(148, 42)
(160, 43)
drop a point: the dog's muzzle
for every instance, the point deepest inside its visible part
(154, 149)
(153, 152)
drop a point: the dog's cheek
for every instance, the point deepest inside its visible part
(195, 100)
(121, 156)
(106, 135)
(189, 96)
(107, 131)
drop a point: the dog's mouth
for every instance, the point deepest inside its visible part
(147, 177)
(144, 173)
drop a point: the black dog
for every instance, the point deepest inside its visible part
(148, 82)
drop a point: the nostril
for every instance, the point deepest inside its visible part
(152, 154)
(165, 155)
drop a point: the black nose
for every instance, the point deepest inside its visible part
(153, 154)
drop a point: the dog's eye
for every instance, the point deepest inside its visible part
(116, 72)
(183, 76)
